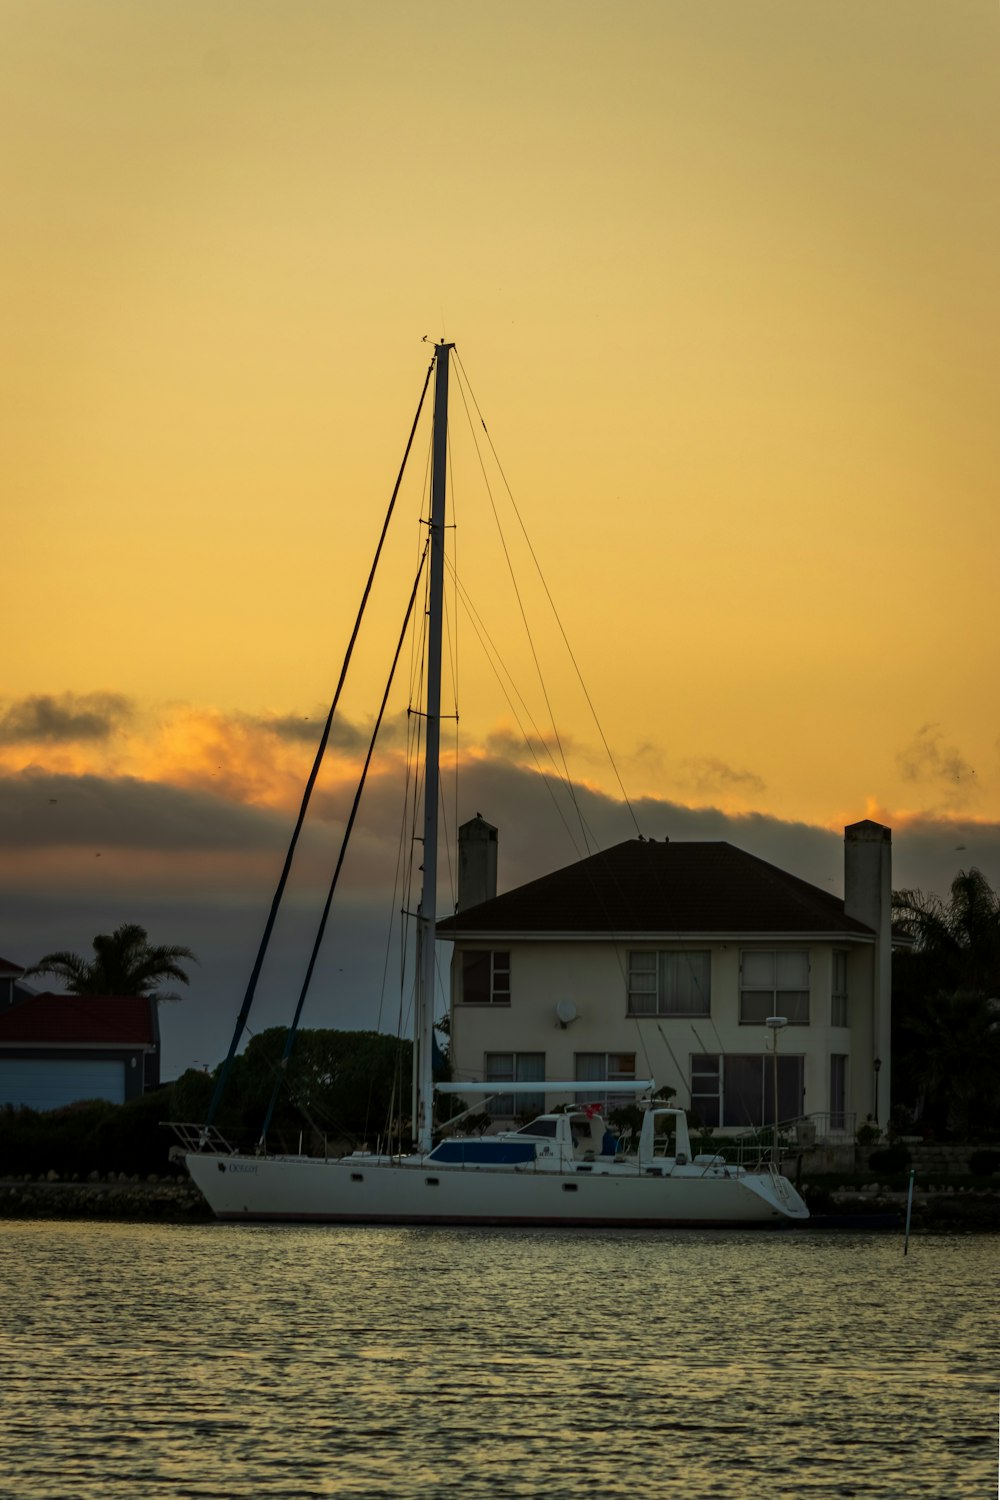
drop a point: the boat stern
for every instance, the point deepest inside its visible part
(778, 1193)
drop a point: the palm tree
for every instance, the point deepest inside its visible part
(946, 1014)
(958, 940)
(125, 963)
(955, 1061)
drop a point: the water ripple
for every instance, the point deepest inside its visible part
(204, 1361)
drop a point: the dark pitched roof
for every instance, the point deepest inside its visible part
(68, 1020)
(643, 886)
(6, 967)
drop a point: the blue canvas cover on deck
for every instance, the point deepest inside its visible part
(484, 1152)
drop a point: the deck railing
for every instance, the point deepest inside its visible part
(194, 1138)
(761, 1145)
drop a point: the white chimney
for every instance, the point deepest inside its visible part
(477, 862)
(868, 898)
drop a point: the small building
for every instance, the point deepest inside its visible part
(59, 1049)
(12, 988)
(665, 960)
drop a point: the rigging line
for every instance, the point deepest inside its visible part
(295, 1099)
(546, 778)
(450, 621)
(643, 1043)
(673, 1059)
(490, 646)
(251, 990)
(418, 642)
(462, 383)
(274, 1067)
(411, 796)
(414, 731)
(454, 641)
(345, 841)
(497, 663)
(392, 921)
(555, 612)
(449, 632)
(704, 1050)
(722, 1078)
(500, 670)
(397, 884)
(400, 884)
(493, 656)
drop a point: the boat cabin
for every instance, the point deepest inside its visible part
(573, 1136)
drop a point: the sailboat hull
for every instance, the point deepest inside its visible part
(360, 1190)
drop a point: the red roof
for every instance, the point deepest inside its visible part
(65, 1020)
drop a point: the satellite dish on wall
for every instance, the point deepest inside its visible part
(566, 1012)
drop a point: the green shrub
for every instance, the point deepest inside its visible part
(890, 1161)
(89, 1136)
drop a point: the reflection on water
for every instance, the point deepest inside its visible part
(225, 1361)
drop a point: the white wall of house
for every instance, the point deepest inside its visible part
(593, 975)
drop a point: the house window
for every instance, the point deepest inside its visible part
(601, 1067)
(706, 1088)
(736, 1090)
(485, 977)
(774, 983)
(516, 1067)
(669, 983)
(838, 994)
(838, 1091)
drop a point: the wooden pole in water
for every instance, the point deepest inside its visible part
(909, 1210)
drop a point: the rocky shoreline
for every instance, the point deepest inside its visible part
(176, 1200)
(941, 1210)
(153, 1199)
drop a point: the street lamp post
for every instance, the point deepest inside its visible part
(775, 1023)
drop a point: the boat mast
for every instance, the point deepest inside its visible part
(423, 1037)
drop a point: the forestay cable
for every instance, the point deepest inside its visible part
(348, 830)
(241, 1020)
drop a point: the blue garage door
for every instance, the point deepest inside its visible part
(48, 1085)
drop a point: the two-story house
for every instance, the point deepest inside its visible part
(666, 960)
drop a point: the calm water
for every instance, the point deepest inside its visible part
(236, 1361)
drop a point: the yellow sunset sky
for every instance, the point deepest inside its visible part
(723, 278)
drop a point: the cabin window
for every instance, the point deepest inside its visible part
(838, 994)
(669, 983)
(601, 1067)
(516, 1067)
(485, 977)
(736, 1090)
(774, 983)
(539, 1127)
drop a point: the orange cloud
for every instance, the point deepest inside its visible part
(234, 756)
